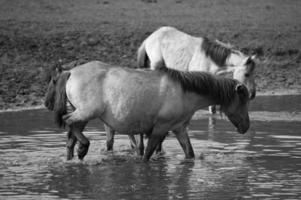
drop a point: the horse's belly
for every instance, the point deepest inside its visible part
(129, 127)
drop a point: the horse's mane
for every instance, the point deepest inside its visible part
(219, 89)
(217, 52)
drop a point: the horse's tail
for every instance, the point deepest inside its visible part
(142, 56)
(60, 104)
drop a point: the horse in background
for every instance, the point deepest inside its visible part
(120, 96)
(180, 51)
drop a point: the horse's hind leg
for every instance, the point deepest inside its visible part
(184, 141)
(71, 141)
(84, 143)
(133, 141)
(77, 116)
(110, 137)
(137, 143)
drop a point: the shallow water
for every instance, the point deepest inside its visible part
(265, 163)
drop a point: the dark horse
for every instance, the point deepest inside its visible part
(120, 97)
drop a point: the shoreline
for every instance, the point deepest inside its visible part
(281, 92)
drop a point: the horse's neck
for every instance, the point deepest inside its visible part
(201, 62)
(232, 63)
(196, 101)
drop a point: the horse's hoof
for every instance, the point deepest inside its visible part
(189, 157)
(159, 151)
(82, 150)
(109, 148)
(140, 152)
(69, 157)
(145, 158)
(70, 153)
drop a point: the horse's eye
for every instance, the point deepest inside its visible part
(247, 75)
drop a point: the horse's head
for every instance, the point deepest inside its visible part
(231, 60)
(244, 71)
(50, 94)
(237, 109)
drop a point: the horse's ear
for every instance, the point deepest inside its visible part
(56, 73)
(227, 45)
(251, 62)
(58, 69)
(241, 90)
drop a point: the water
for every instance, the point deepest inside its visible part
(265, 163)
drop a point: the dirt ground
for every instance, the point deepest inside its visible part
(36, 34)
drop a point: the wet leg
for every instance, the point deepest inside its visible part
(184, 141)
(159, 146)
(84, 143)
(154, 139)
(133, 141)
(211, 123)
(110, 137)
(140, 145)
(71, 141)
(212, 109)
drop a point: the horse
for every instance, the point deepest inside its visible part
(181, 51)
(120, 98)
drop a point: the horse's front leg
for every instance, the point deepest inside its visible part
(84, 143)
(184, 141)
(156, 137)
(71, 141)
(159, 146)
(212, 109)
(140, 145)
(110, 137)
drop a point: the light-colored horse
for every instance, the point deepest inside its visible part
(180, 51)
(120, 97)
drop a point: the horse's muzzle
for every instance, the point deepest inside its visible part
(243, 128)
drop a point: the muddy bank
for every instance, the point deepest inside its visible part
(111, 31)
(25, 61)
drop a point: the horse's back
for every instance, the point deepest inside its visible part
(176, 48)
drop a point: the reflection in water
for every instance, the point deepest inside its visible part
(265, 163)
